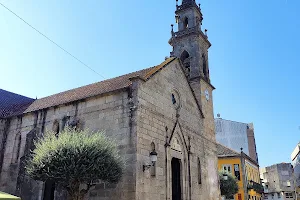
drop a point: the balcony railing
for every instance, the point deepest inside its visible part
(257, 187)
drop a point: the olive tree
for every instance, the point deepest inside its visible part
(228, 187)
(74, 160)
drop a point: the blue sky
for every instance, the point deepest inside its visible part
(254, 58)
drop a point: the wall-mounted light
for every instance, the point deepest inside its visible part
(153, 159)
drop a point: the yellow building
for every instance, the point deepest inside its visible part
(246, 171)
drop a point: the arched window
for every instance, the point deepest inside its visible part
(173, 99)
(205, 71)
(185, 59)
(199, 172)
(186, 23)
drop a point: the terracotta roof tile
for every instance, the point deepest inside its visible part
(225, 151)
(12, 104)
(94, 89)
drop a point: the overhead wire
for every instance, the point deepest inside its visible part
(52, 41)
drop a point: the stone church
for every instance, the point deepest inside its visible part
(166, 109)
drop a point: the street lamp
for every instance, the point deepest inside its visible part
(153, 158)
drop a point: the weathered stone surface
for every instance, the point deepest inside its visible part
(170, 111)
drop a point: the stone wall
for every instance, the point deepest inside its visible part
(4, 125)
(159, 121)
(252, 143)
(109, 113)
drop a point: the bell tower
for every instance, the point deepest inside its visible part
(190, 44)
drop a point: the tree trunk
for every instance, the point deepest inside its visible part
(75, 193)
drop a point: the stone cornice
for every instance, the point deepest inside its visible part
(204, 79)
(190, 31)
(187, 6)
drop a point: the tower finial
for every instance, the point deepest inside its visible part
(172, 30)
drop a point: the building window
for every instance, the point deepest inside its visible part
(185, 59)
(55, 127)
(237, 171)
(239, 196)
(186, 23)
(173, 99)
(199, 172)
(289, 195)
(227, 169)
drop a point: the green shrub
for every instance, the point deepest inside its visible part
(75, 158)
(228, 187)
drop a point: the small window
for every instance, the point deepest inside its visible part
(289, 195)
(55, 127)
(199, 172)
(185, 59)
(186, 23)
(239, 196)
(173, 99)
(227, 169)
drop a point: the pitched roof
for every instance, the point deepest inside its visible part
(12, 104)
(95, 89)
(225, 151)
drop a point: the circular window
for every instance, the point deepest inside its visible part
(175, 99)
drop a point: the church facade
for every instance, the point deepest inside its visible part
(166, 109)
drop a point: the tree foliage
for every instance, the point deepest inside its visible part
(228, 187)
(75, 158)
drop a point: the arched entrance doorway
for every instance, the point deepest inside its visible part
(176, 179)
